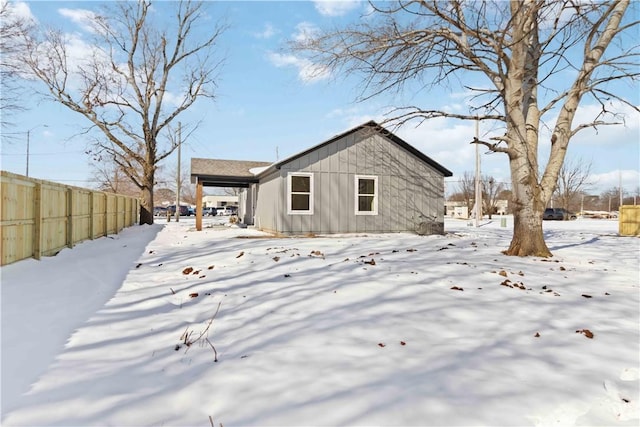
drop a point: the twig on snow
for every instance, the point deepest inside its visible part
(186, 336)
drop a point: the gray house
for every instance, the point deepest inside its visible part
(365, 180)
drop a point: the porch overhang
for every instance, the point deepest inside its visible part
(222, 173)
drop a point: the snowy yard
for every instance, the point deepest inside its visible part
(384, 330)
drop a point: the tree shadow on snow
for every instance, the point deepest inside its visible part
(311, 331)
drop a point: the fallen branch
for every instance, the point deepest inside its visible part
(188, 341)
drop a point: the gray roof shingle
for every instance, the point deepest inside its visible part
(221, 167)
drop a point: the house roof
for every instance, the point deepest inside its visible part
(377, 128)
(241, 173)
(224, 173)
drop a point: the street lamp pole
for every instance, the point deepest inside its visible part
(28, 141)
(28, 137)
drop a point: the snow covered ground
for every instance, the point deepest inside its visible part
(343, 330)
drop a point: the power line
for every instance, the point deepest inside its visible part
(42, 154)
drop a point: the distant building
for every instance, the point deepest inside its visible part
(459, 209)
(219, 201)
(456, 209)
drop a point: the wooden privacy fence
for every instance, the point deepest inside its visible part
(629, 222)
(39, 218)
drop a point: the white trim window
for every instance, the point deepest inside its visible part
(366, 192)
(300, 193)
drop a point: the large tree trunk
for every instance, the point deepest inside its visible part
(146, 204)
(528, 207)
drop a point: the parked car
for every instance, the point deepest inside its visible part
(558, 214)
(184, 210)
(159, 211)
(228, 210)
(210, 211)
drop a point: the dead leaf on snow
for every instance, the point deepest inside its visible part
(455, 288)
(240, 254)
(587, 333)
(193, 295)
(187, 270)
(537, 335)
(587, 296)
(372, 262)
(381, 344)
(276, 258)
(502, 273)
(210, 267)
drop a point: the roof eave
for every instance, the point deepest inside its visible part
(445, 172)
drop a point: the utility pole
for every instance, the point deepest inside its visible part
(179, 179)
(478, 190)
(620, 178)
(28, 136)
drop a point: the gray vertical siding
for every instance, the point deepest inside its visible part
(409, 190)
(268, 202)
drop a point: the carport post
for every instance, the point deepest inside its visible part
(198, 205)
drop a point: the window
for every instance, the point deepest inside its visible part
(366, 195)
(300, 199)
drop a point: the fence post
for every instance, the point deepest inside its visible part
(120, 209)
(70, 217)
(92, 234)
(37, 221)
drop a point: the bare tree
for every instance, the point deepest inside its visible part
(529, 64)
(164, 196)
(573, 180)
(169, 179)
(506, 195)
(111, 178)
(231, 191)
(610, 199)
(187, 190)
(12, 26)
(136, 79)
(467, 188)
(491, 194)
